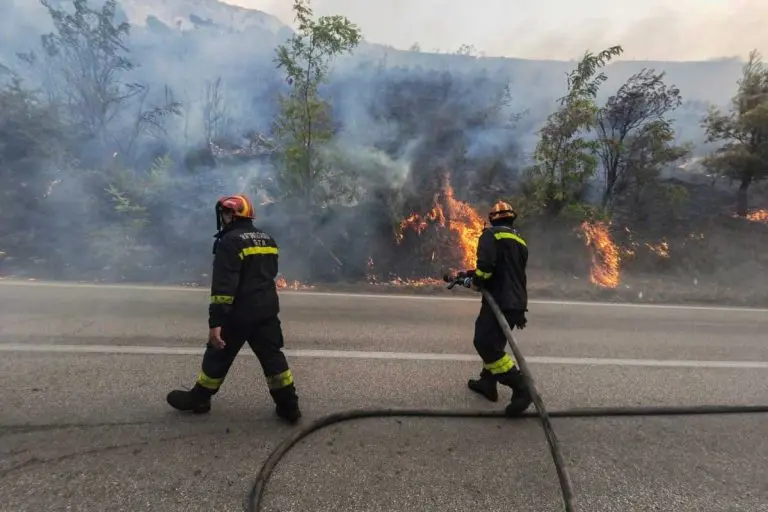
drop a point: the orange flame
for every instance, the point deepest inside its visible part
(758, 216)
(629, 251)
(661, 249)
(419, 224)
(458, 216)
(283, 284)
(605, 259)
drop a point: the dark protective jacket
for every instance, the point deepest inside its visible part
(243, 289)
(502, 255)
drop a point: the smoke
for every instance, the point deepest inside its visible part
(552, 29)
(688, 30)
(402, 119)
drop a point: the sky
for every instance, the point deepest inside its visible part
(554, 29)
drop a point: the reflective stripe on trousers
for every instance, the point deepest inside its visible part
(500, 366)
(208, 382)
(281, 380)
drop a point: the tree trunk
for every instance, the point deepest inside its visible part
(610, 184)
(741, 197)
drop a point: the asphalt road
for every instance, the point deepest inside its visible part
(84, 424)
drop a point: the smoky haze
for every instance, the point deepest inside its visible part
(113, 210)
(556, 29)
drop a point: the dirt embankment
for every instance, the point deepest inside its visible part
(725, 264)
(705, 256)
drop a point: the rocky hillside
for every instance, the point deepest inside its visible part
(209, 34)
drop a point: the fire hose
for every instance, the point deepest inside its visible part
(255, 498)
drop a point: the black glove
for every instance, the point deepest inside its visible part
(521, 321)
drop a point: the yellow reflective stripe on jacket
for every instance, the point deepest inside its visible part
(503, 365)
(251, 251)
(483, 275)
(222, 299)
(516, 238)
(280, 380)
(208, 382)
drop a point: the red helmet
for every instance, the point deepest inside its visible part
(239, 205)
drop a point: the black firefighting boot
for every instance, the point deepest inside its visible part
(521, 394)
(197, 399)
(286, 403)
(485, 385)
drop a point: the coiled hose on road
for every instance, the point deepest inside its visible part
(255, 498)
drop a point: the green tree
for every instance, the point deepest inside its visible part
(743, 132)
(564, 158)
(645, 154)
(87, 64)
(635, 139)
(468, 50)
(89, 59)
(31, 139)
(304, 125)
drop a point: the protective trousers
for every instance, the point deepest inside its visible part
(490, 343)
(266, 340)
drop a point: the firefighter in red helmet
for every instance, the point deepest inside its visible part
(502, 255)
(244, 307)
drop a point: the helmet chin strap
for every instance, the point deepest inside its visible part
(219, 220)
(224, 209)
(219, 226)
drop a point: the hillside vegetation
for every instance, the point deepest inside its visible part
(370, 165)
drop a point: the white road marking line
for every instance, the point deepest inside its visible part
(396, 356)
(355, 296)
